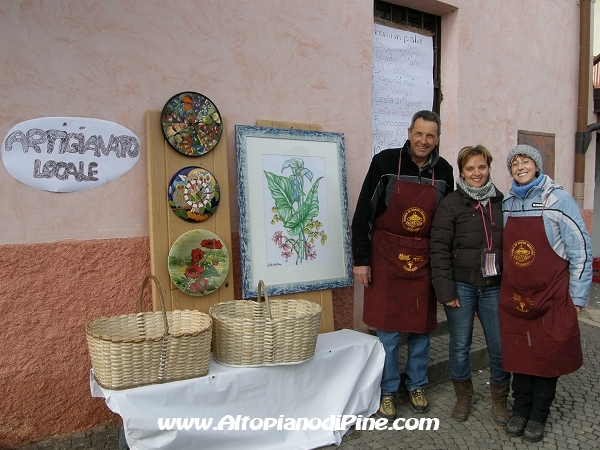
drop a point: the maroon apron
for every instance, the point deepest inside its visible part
(538, 321)
(400, 296)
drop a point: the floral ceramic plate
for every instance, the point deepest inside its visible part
(198, 262)
(191, 123)
(194, 194)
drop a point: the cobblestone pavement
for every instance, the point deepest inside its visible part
(573, 424)
(101, 437)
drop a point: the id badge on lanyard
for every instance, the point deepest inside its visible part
(489, 263)
(489, 266)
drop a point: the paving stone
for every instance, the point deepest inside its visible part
(63, 444)
(577, 400)
(30, 447)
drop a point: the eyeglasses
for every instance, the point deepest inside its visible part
(520, 161)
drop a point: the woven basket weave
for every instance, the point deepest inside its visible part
(149, 347)
(254, 333)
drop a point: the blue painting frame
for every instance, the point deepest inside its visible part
(308, 203)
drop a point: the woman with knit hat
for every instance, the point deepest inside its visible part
(546, 281)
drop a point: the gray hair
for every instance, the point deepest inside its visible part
(429, 116)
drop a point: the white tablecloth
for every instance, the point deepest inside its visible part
(342, 379)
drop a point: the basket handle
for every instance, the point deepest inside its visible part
(162, 300)
(262, 287)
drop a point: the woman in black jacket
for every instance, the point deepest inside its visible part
(466, 261)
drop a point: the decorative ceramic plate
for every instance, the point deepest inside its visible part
(191, 123)
(198, 262)
(194, 194)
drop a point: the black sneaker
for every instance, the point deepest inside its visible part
(418, 400)
(387, 410)
(534, 431)
(516, 425)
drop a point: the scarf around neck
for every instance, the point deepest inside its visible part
(485, 192)
(522, 191)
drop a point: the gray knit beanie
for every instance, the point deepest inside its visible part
(526, 150)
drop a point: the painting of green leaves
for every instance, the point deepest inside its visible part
(296, 230)
(293, 210)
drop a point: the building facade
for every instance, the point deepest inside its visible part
(65, 258)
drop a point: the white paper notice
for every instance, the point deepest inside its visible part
(402, 83)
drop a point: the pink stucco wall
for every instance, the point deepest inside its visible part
(114, 60)
(47, 294)
(519, 71)
(67, 258)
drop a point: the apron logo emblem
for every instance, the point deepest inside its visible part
(414, 219)
(410, 265)
(522, 253)
(522, 303)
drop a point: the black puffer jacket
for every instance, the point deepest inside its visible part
(457, 241)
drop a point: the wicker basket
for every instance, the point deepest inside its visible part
(149, 347)
(254, 333)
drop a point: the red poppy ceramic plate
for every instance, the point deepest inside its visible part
(198, 262)
(191, 123)
(194, 194)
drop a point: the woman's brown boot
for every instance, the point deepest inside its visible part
(499, 395)
(464, 394)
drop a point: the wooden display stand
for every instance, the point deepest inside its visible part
(166, 227)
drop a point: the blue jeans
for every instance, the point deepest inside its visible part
(417, 360)
(484, 302)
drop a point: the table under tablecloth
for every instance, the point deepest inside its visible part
(339, 382)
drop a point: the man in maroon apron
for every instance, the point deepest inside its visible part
(390, 246)
(546, 280)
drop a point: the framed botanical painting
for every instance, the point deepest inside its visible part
(293, 205)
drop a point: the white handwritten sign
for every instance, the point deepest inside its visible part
(402, 83)
(67, 154)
